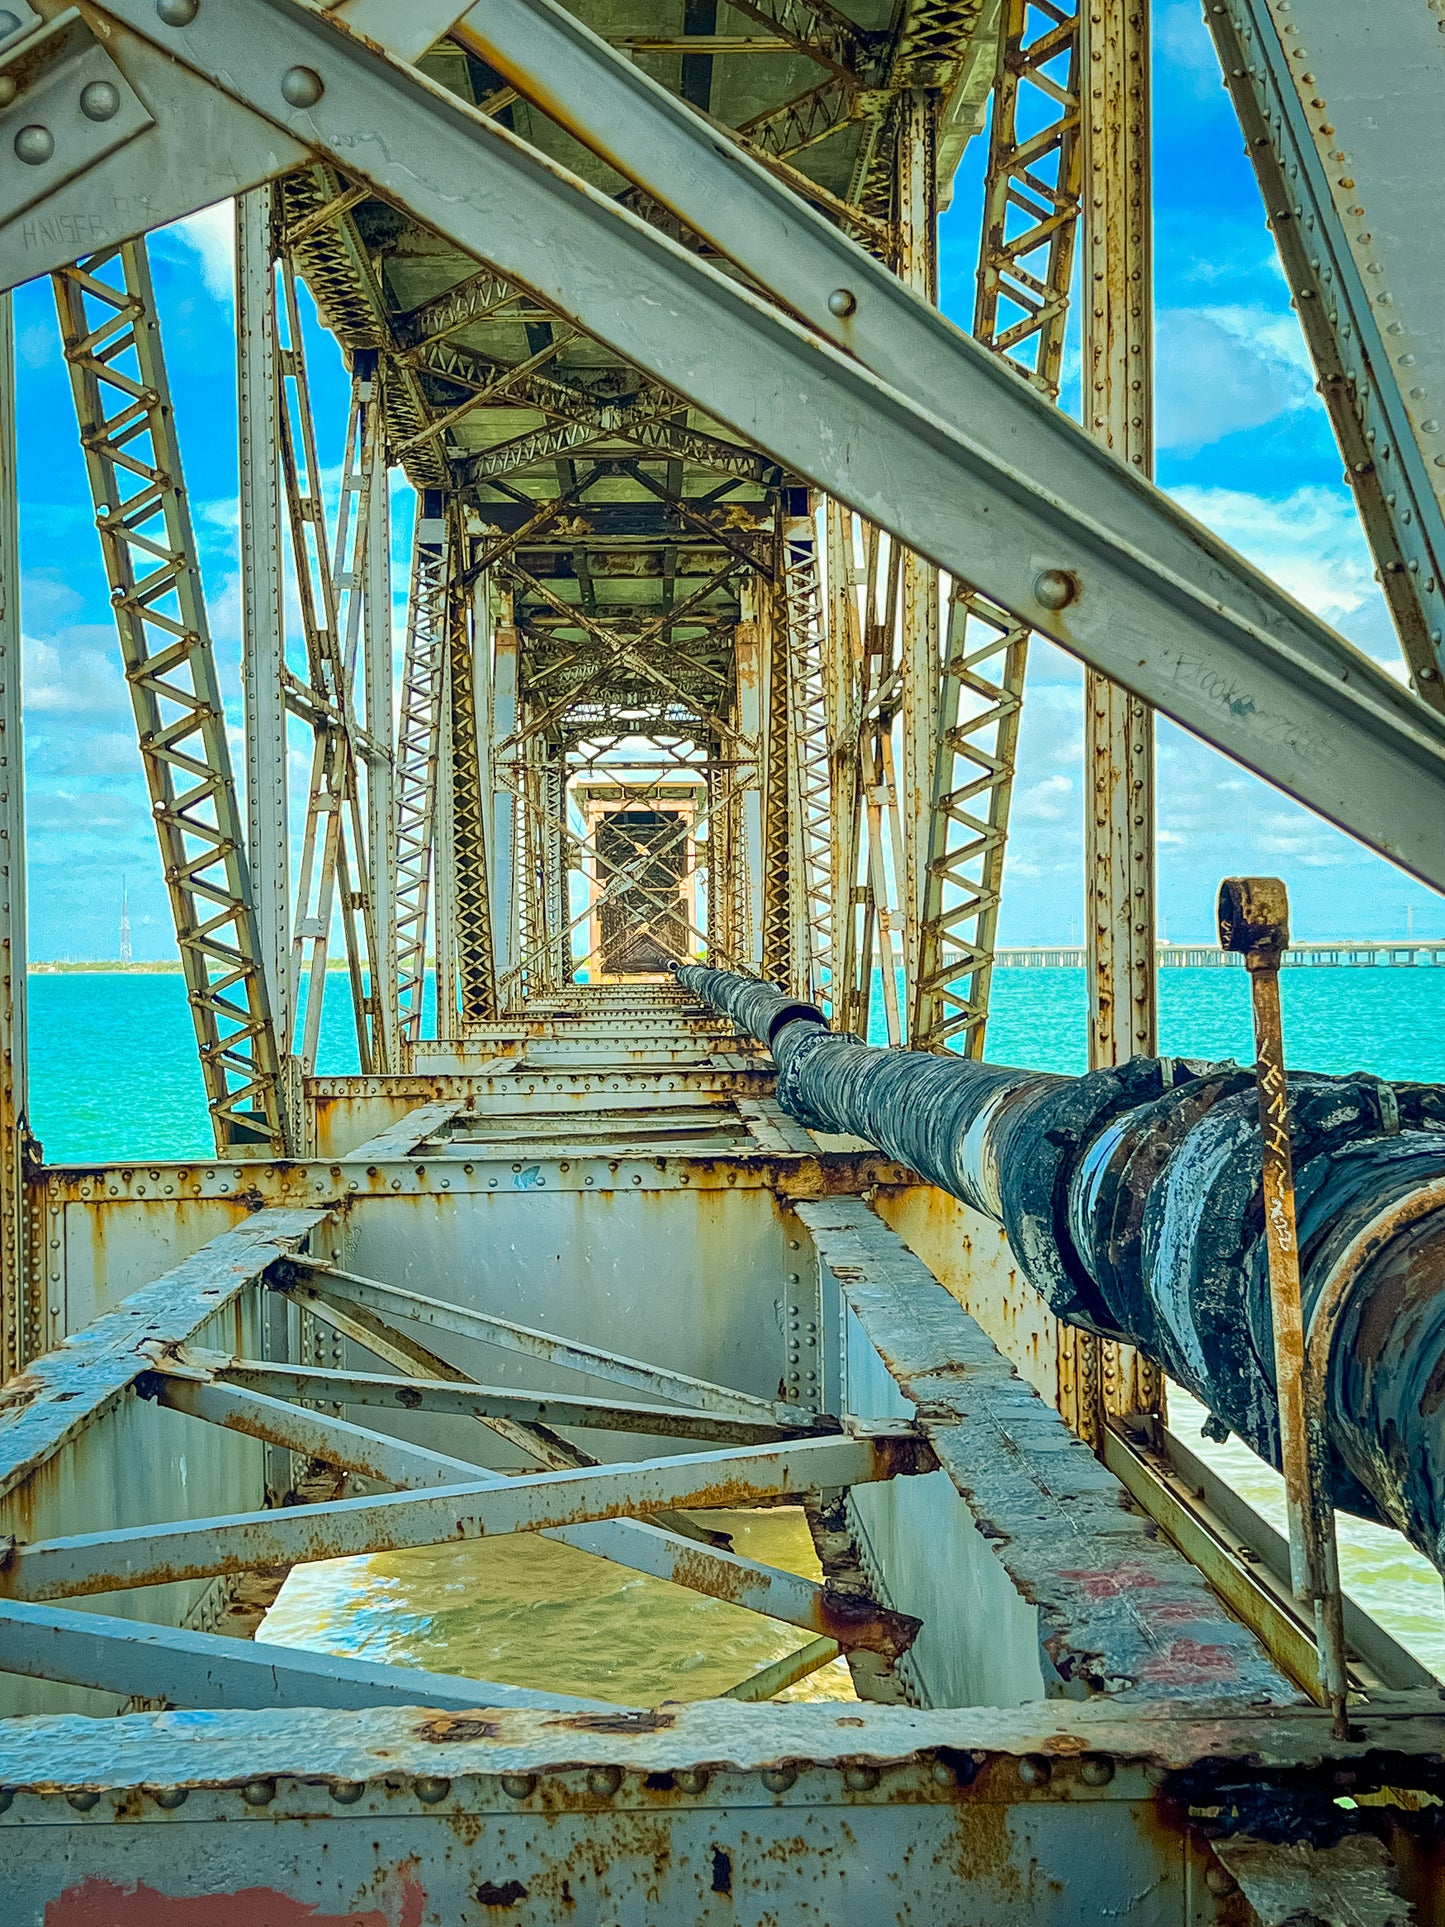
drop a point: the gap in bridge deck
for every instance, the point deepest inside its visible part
(529, 1612)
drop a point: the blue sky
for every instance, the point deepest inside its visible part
(1243, 443)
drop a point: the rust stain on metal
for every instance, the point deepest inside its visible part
(645, 1720)
(447, 1728)
(101, 1903)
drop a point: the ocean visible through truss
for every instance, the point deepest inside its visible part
(113, 1075)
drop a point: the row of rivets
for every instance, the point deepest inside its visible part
(300, 86)
(1033, 1769)
(35, 144)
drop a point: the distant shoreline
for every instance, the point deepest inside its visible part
(102, 968)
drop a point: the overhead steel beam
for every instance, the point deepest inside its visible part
(179, 1668)
(157, 1555)
(1340, 111)
(1007, 493)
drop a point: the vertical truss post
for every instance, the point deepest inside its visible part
(333, 871)
(978, 727)
(14, 1136)
(418, 751)
(444, 854)
(476, 961)
(504, 881)
(778, 961)
(263, 627)
(811, 787)
(750, 776)
(843, 688)
(380, 751)
(1031, 199)
(1030, 228)
(112, 344)
(558, 905)
(1118, 728)
(916, 221)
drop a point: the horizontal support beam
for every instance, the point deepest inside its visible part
(785, 1672)
(854, 1623)
(81, 1380)
(317, 1435)
(495, 1401)
(392, 1302)
(140, 1661)
(639, 1546)
(159, 1555)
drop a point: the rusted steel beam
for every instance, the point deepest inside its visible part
(495, 1401)
(198, 1548)
(84, 1378)
(671, 1546)
(181, 1668)
(392, 1302)
(854, 1624)
(395, 1462)
(639, 1546)
(771, 1680)
(399, 1140)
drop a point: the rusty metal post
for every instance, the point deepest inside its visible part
(1117, 327)
(1254, 922)
(916, 220)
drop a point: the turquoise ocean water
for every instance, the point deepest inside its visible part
(113, 1069)
(113, 1075)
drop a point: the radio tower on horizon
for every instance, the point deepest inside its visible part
(124, 923)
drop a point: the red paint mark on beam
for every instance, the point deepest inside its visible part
(100, 1903)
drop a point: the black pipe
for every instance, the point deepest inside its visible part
(1131, 1199)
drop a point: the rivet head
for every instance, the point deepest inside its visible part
(518, 1786)
(842, 302)
(170, 1797)
(178, 13)
(860, 1779)
(100, 100)
(777, 1779)
(258, 1793)
(1034, 1770)
(692, 1779)
(1219, 1880)
(9, 88)
(1055, 588)
(302, 87)
(83, 1799)
(604, 1781)
(34, 144)
(1096, 1769)
(346, 1793)
(429, 1790)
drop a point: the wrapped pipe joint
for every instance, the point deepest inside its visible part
(1131, 1200)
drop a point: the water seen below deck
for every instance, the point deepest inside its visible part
(113, 1076)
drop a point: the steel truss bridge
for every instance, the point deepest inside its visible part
(718, 516)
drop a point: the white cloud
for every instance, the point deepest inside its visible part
(1309, 541)
(1182, 44)
(211, 235)
(1047, 801)
(75, 676)
(1224, 369)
